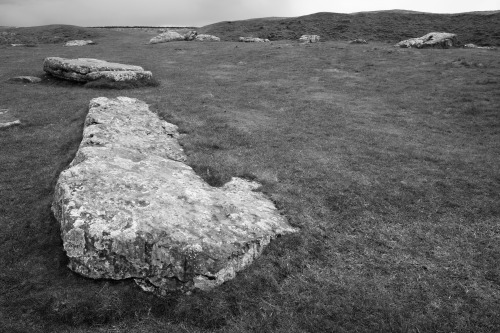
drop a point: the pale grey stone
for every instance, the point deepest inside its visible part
(88, 69)
(252, 40)
(474, 46)
(80, 42)
(309, 38)
(26, 79)
(207, 38)
(10, 124)
(431, 40)
(169, 36)
(129, 207)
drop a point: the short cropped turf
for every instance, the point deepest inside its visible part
(388, 160)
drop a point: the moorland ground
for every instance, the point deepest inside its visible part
(387, 159)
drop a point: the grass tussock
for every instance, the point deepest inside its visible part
(387, 160)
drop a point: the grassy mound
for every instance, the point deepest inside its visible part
(387, 26)
(48, 34)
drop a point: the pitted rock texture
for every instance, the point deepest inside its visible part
(129, 207)
(442, 40)
(309, 38)
(88, 69)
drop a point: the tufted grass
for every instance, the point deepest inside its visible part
(387, 159)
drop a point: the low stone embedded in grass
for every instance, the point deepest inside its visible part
(10, 124)
(26, 79)
(88, 69)
(252, 40)
(309, 38)
(129, 207)
(79, 42)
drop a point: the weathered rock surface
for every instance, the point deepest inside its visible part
(253, 40)
(169, 36)
(25, 79)
(79, 42)
(442, 40)
(207, 38)
(129, 207)
(309, 38)
(88, 69)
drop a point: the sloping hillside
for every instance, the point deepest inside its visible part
(48, 34)
(390, 26)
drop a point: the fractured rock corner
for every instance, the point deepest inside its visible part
(129, 207)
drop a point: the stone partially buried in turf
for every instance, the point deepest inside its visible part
(26, 79)
(169, 36)
(252, 40)
(309, 38)
(79, 42)
(88, 69)
(129, 207)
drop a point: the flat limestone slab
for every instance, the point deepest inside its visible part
(129, 207)
(431, 40)
(89, 69)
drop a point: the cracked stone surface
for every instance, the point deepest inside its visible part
(129, 207)
(431, 40)
(88, 69)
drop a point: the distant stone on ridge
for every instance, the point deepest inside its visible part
(309, 38)
(442, 40)
(207, 38)
(79, 43)
(88, 69)
(253, 40)
(25, 79)
(129, 207)
(169, 36)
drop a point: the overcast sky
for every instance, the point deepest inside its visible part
(203, 12)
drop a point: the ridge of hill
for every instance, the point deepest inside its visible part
(46, 34)
(389, 26)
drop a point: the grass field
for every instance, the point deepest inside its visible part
(387, 159)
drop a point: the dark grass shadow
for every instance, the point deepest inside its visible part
(121, 85)
(49, 80)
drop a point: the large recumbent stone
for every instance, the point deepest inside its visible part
(129, 207)
(88, 69)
